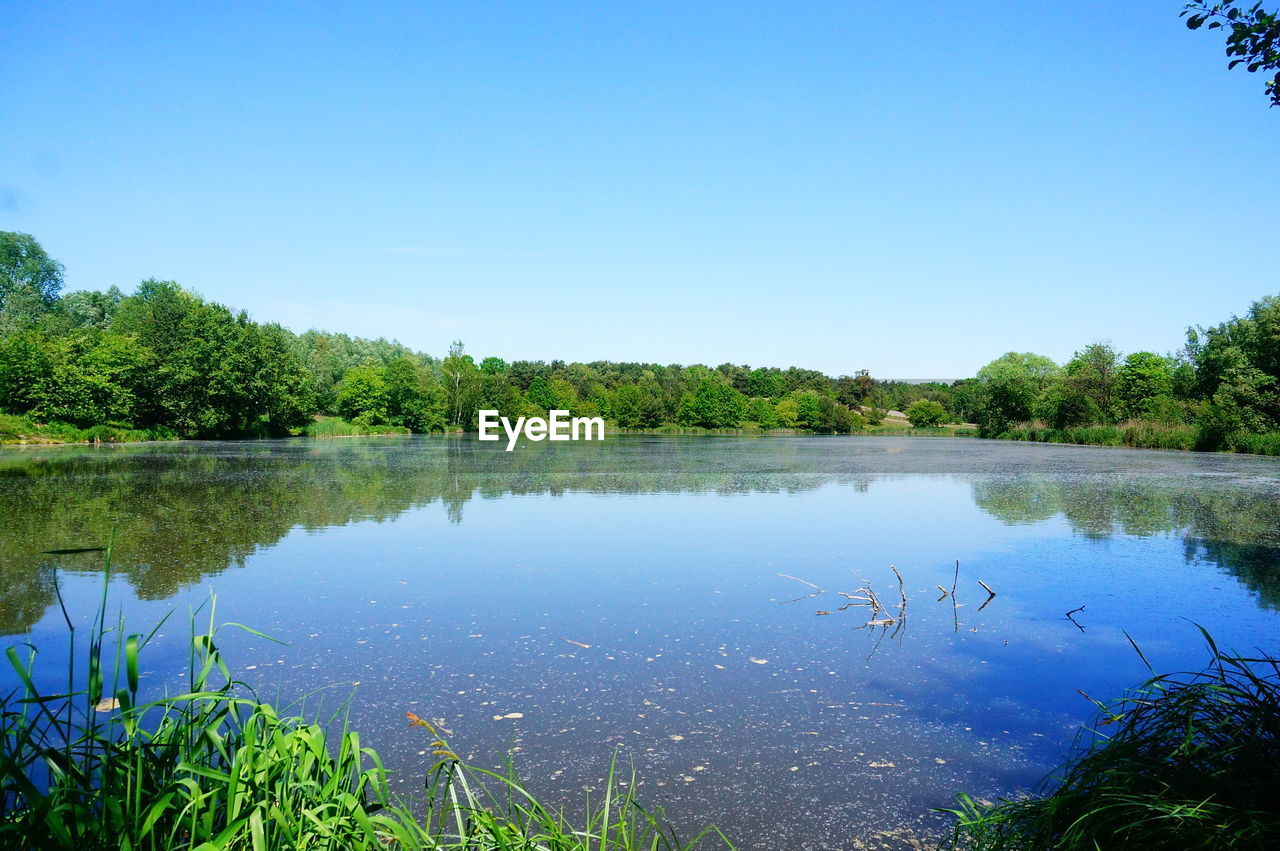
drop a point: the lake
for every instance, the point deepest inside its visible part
(673, 601)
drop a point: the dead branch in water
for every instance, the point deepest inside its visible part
(991, 595)
(801, 581)
(955, 611)
(1073, 620)
(868, 591)
(902, 588)
(816, 590)
(902, 605)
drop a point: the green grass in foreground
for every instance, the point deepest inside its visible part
(215, 768)
(338, 427)
(24, 430)
(1185, 761)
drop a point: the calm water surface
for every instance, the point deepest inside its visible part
(458, 581)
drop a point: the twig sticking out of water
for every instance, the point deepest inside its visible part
(1073, 620)
(991, 595)
(955, 611)
(902, 606)
(816, 590)
(871, 597)
(801, 581)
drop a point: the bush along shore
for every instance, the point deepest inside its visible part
(213, 768)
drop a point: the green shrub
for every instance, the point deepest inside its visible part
(1257, 444)
(926, 413)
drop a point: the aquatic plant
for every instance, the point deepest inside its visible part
(1186, 760)
(214, 767)
(322, 426)
(1139, 434)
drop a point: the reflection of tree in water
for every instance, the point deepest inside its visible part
(1237, 530)
(188, 511)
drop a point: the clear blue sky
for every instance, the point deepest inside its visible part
(909, 188)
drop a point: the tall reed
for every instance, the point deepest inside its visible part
(1187, 761)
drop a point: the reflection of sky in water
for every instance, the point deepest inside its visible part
(735, 706)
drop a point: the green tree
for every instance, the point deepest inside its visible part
(865, 383)
(926, 413)
(844, 420)
(1092, 373)
(206, 378)
(759, 410)
(493, 366)
(809, 410)
(280, 388)
(496, 393)
(1237, 370)
(362, 394)
(766, 383)
(30, 280)
(1253, 39)
(1012, 383)
(91, 309)
(540, 394)
(1144, 377)
(461, 380)
(788, 412)
(966, 399)
(636, 406)
(564, 396)
(1064, 404)
(712, 405)
(404, 388)
(25, 365)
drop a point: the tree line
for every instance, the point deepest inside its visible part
(1220, 390)
(166, 360)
